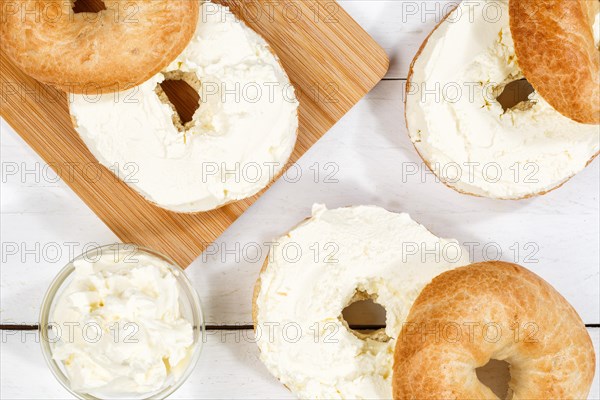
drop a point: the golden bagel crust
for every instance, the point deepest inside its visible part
(556, 51)
(256, 292)
(408, 87)
(541, 336)
(113, 50)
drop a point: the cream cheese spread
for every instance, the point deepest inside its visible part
(241, 135)
(120, 327)
(463, 132)
(315, 271)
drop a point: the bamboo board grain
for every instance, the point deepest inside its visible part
(331, 61)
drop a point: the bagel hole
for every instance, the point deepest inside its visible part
(496, 376)
(365, 318)
(180, 90)
(515, 95)
(88, 6)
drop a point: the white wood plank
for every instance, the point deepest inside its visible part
(399, 26)
(229, 367)
(369, 148)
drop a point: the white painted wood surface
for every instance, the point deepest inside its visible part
(42, 223)
(229, 368)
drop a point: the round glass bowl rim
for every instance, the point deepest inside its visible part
(66, 272)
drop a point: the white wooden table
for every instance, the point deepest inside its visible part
(43, 224)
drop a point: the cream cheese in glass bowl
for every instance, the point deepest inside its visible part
(121, 321)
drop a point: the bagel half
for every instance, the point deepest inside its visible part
(493, 310)
(232, 148)
(473, 131)
(114, 50)
(556, 49)
(369, 254)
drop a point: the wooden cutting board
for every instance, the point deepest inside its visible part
(330, 59)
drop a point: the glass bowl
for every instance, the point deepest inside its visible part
(189, 304)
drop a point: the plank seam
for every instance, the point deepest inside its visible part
(15, 327)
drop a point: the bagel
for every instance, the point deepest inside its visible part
(492, 310)
(329, 261)
(240, 137)
(462, 131)
(565, 71)
(116, 49)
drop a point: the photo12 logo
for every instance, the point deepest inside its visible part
(68, 172)
(451, 252)
(254, 252)
(90, 332)
(55, 252)
(254, 172)
(283, 12)
(470, 172)
(62, 12)
(470, 332)
(273, 332)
